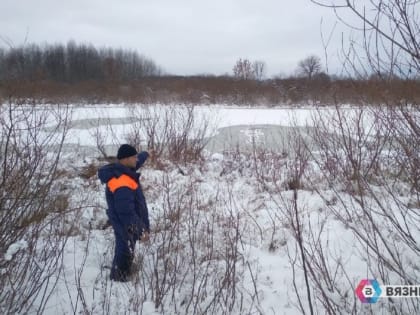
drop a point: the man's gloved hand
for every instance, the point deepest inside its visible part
(131, 229)
(145, 237)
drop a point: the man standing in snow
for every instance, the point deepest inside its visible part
(127, 209)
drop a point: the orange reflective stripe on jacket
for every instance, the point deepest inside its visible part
(122, 181)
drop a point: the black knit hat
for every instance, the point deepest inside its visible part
(125, 151)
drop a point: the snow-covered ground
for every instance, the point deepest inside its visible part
(229, 216)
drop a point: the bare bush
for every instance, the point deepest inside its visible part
(100, 140)
(196, 262)
(369, 158)
(101, 133)
(364, 157)
(209, 268)
(177, 133)
(32, 204)
(367, 175)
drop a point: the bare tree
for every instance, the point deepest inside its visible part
(310, 66)
(391, 36)
(259, 68)
(243, 69)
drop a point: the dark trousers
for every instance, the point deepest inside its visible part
(123, 255)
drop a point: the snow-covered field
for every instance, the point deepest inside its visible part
(225, 230)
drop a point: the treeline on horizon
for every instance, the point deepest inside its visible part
(74, 63)
(83, 73)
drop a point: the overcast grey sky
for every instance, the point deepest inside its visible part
(183, 36)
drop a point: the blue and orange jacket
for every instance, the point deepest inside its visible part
(127, 209)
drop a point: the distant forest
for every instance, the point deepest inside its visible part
(81, 73)
(73, 63)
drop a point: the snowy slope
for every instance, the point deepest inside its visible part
(224, 219)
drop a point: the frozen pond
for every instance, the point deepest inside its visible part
(230, 127)
(243, 138)
(246, 137)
